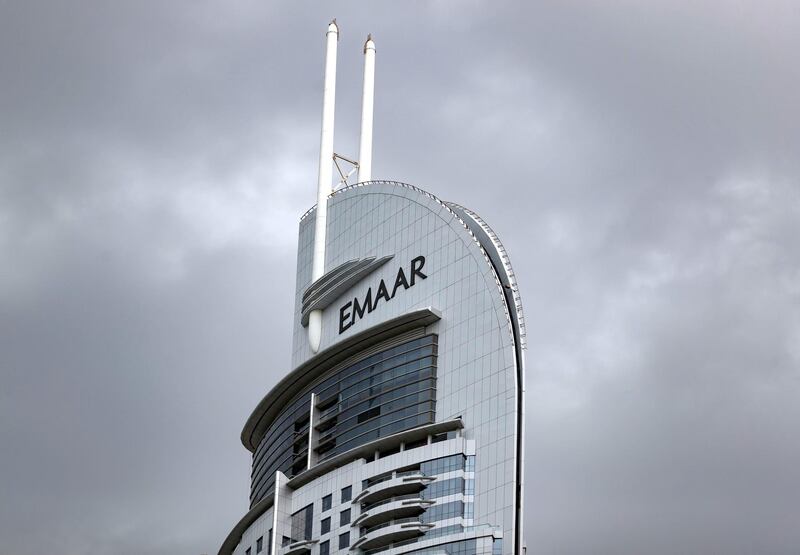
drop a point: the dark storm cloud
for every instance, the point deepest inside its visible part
(639, 162)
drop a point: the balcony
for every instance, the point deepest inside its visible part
(327, 423)
(393, 531)
(330, 411)
(401, 483)
(402, 506)
(299, 548)
(299, 435)
(327, 435)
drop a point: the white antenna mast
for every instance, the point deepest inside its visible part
(325, 175)
(367, 102)
(327, 157)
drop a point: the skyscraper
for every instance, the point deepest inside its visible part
(397, 427)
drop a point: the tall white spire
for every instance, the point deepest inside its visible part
(324, 183)
(367, 102)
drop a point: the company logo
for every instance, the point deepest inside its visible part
(354, 310)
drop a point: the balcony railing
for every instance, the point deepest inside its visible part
(365, 531)
(390, 500)
(329, 412)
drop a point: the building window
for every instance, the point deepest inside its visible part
(325, 548)
(403, 379)
(388, 452)
(260, 544)
(443, 488)
(376, 480)
(369, 414)
(302, 522)
(443, 465)
(325, 525)
(439, 437)
(344, 517)
(326, 502)
(344, 540)
(414, 444)
(269, 542)
(347, 494)
(447, 511)
(247, 551)
(470, 466)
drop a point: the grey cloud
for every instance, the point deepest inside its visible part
(639, 162)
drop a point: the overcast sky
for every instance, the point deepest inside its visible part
(641, 163)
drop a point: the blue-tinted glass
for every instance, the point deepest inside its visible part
(302, 523)
(384, 393)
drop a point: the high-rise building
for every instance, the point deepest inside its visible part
(398, 427)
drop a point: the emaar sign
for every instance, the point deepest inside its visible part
(356, 309)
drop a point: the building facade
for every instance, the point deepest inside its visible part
(403, 432)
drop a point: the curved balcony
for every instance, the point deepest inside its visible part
(299, 548)
(402, 506)
(393, 531)
(400, 484)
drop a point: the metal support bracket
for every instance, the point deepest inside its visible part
(344, 176)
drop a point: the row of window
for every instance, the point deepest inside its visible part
(345, 496)
(453, 509)
(430, 534)
(463, 547)
(371, 387)
(277, 449)
(325, 523)
(302, 520)
(305, 516)
(375, 428)
(411, 393)
(344, 543)
(260, 545)
(389, 358)
(421, 392)
(383, 403)
(436, 490)
(443, 465)
(443, 488)
(383, 430)
(430, 468)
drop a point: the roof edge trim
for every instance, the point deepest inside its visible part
(235, 535)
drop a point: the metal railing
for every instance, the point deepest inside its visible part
(390, 500)
(365, 531)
